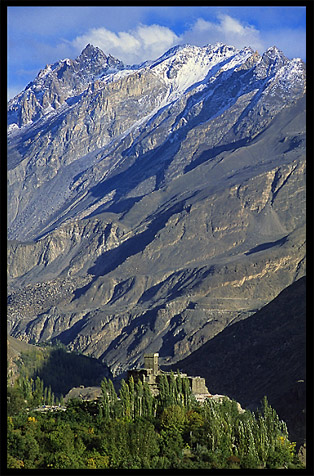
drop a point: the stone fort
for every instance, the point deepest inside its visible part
(151, 372)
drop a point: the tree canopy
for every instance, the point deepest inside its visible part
(133, 429)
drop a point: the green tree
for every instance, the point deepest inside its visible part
(164, 398)
(173, 418)
(105, 399)
(38, 392)
(187, 394)
(109, 399)
(132, 396)
(15, 400)
(138, 408)
(64, 452)
(125, 400)
(149, 404)
(173, 391)
(113, 398)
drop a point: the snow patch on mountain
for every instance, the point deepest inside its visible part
(181, 68)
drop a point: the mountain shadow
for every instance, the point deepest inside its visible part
(63, 370)
(264, 354)
(265, 246)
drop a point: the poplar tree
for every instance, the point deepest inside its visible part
(138, 410)
(105, 399)
(187, 393)
(149, 402)
(180, 397)
(113, 399)
(125, 400)
(38, 392)
(173, 393)
(131, 386)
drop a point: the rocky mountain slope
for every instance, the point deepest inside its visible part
(262, 355)
(151, 206)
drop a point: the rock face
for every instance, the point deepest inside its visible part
(154, 205)
(60, 84)
(262, 355)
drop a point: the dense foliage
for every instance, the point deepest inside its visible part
(135, 429)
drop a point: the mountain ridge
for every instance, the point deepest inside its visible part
(53, 162)
(156, 207)
(92, 61)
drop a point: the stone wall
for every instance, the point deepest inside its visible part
(197, 385)
(151, 371)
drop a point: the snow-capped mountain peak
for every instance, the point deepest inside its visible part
(94, 60)
(91, 51)
(146, 202)
(58, 82)
(189, 66)
(180, 68)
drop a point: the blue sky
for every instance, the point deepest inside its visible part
(41, 35)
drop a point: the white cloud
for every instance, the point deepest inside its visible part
(227, 30)
(134, 46)
(232, 32)
(149, 42)
(44, 41)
